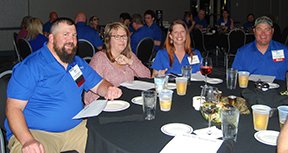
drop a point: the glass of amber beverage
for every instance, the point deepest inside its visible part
(165, 100)
(243, 79)
(261, 115)
(181, 85)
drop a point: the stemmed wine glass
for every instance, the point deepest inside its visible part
(206, 67)
(209, 106)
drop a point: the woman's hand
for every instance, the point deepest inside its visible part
(123, 60)
(155, 72)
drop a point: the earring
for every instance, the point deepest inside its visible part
(171, 41)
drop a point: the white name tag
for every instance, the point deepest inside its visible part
(194, 60)
(75, 72)
(278, 55)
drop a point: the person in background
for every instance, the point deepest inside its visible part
(189, 21)
(263, 56)
(200, 21)
(44, 93)
(125, 18)
(140, 32)
(149, 18)
(46, 27)
(86, 32)
(225, 22)
(22, 34)
(35, 36)
(117, 63)
(282, 143)
(248, 25)
(94, 23)
(177, 52)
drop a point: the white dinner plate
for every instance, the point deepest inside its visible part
(137, 100)
(171, 86)
(116, 105)
(214, 81)
(273, 85)
(268, 137)
(173, 129)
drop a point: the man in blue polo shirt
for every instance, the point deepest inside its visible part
(149, 17)
(47, 26)
(263, 56)
(140, 32)
(200, 20)
(44, 93)
(86, 32)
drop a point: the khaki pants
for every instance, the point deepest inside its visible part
(74, 139)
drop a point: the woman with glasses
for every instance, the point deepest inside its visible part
(117, 63)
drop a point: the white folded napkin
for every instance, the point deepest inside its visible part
(138, 85)
(187, 143)
(197, 77)
(264, 78)
(215, 132)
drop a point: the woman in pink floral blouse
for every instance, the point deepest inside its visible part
(117, 63)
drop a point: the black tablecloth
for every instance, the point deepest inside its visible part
(141, 136)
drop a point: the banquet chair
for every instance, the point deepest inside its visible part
(4, 78)
(144, 50)
(236, 39)
(85, 50)
(15, 45)
(284, 39)
(24, 48)
(198, 40)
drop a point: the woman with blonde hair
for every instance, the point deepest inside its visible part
(117, 63)
(177, 52)
(35, 35)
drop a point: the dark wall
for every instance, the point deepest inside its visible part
(275, 8)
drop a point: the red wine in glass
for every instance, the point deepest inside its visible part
(206, 67)
(205, 70)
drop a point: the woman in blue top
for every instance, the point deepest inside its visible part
(178, 52)
(35, 34)
(225, 22)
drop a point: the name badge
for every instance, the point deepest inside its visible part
(77, 75)
(194, 60)
(278, 55)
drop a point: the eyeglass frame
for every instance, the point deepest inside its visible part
(120, 37)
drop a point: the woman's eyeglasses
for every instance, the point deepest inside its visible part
(118, 37)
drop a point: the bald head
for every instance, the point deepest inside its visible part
(80, 17)
(53, 16)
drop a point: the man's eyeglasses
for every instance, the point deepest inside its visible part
(118, 37)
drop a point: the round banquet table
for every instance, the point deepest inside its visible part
(142, 136)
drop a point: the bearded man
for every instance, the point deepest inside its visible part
(44, 93)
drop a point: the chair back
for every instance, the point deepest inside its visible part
(236, 39)
(198, 40)
(15, 45)
(284, 39)
(24, 48)
(4, 78)
(144, 50)
(85, 49)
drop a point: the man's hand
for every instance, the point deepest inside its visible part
(113, 93)
(33, 146)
